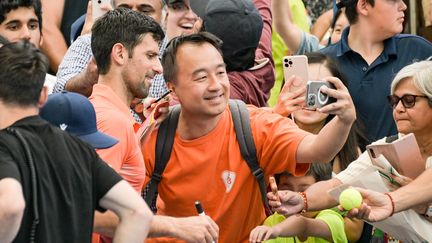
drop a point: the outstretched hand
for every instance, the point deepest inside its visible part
(376, 206)
(290, 202)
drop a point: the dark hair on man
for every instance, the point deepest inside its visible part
(22, 73)
(351, 9)
(356, 138)
(124, 26)
(169, 58)
(8, 5)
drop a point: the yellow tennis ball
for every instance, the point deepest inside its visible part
(350, 198)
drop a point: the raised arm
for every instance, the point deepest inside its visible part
(54, 45)
(135, 217)
(324, 146)
(284, 26)
(12, 206)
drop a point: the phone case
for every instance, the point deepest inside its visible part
(97, 11)
(316, 99)
(403, 155)
(296, 65)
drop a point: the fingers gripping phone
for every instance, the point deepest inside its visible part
(314, 97)
(296, 65)
(99, 8)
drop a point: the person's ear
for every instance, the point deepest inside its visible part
(41, 39)
(173, 94)
(119, 54)
(43, 97)
(363, 7)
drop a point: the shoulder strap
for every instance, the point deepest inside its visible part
(392, 138)
(164, 143)
(240, 116)
(33, 180)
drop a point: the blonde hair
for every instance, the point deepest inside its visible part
(420, 74)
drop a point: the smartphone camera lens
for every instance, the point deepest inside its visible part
(311, 100)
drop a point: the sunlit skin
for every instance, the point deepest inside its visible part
(142, 66)
(388, 16)
(21, 24)
(152, 8)
(202, 85)
(181, 20)
(416, 119)
(312, 121)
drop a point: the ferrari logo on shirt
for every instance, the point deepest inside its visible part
(228, 178)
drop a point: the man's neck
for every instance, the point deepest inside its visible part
(11, 114)
(192, 127)
(116, 83)
(364, 41)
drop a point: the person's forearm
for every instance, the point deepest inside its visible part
(105, 223)
(162, 226)
(292, 226)
(318, 197)
(80, 84)
(417, 192)
(136, 221)
(289, 32)
(324, 146)
(55, 48)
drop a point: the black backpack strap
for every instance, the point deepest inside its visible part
(240, 117)
(164, 144)
(392, 138)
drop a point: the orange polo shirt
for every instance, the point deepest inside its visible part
(114, 118)
(211, 169)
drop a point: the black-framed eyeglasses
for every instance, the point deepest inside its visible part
(408, 100)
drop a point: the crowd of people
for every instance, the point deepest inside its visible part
(91, 116)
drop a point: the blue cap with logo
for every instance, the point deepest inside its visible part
(75, 114)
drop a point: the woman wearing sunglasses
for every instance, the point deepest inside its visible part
(411, 100)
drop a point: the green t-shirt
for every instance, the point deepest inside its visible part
(333, 220)
(279, 48)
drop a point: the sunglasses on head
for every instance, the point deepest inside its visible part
(408, 100)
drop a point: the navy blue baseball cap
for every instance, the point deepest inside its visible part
(75, 114)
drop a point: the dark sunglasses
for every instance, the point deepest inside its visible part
(408, 100)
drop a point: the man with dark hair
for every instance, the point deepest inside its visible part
(206, 163)
(125, 47)
(22, 20)
(51, 182)
(77, 71)
(370, 53)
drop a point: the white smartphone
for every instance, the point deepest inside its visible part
(98, 8)
(296, 65)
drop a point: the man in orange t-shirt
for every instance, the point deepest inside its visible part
(206, 163)
(127, 60)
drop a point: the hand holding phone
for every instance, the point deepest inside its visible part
(296, 65)
(100, 7)
(314, 97)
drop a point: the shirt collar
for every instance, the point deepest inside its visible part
(389, 44)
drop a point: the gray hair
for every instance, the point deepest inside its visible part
(421, 75)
